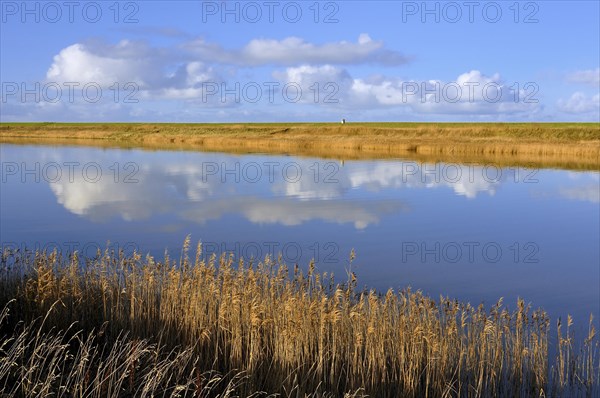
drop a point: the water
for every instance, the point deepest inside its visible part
(470, 232)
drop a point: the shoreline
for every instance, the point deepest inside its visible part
(573, 146)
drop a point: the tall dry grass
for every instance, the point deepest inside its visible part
(565, 145)
(117, 325)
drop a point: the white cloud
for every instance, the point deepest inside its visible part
(185, 73)
(589, 76)
(580, 103)
(325, 84)
(470, 93)
(295, 50)
(105, 64)
(166, 76)
(156, 72)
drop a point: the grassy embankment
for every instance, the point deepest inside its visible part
(554, 145)
(138, 327)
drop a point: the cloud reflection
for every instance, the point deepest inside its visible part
(183, 184)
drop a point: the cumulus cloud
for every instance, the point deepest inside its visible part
(324, 84)
(105, 64)
(188, 71)
(590, 77)
(580, 103)
(470, 93)
(199, 72)
(154, 72)
(295, 50)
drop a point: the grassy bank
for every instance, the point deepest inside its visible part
(123, 326)
(562, 145)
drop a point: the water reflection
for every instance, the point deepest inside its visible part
(205, 187)
(395, 213)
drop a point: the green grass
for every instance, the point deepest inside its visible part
(533, 131)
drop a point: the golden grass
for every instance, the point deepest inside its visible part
(123, 326)
(564, 145)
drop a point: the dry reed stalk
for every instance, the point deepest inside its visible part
(117, 325)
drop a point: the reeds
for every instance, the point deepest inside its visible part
(564, 145)
(117, 325)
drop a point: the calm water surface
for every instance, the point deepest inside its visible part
(470, 232)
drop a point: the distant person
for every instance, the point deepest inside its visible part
(343, 121)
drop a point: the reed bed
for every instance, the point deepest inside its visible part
(565, 145)
(117, 325)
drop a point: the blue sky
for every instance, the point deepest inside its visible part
(193, 61)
